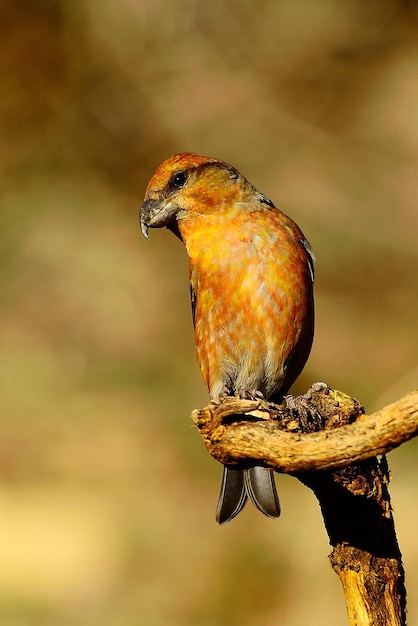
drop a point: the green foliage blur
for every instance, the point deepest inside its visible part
(107, 494)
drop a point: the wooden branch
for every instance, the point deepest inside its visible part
(238, 431)
(326, 441)
(355, 504)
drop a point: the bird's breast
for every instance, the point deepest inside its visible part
(250, 302)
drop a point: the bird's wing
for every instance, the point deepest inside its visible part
(311, 257)
(193, 299)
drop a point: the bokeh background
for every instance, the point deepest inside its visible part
(107, 494)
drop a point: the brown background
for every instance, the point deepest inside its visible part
(107, 496)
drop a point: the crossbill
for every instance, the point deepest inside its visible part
(251, 284)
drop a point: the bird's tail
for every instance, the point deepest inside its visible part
(256, 484)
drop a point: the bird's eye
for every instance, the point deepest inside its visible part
(178, 180)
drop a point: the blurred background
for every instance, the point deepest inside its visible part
(107, 494)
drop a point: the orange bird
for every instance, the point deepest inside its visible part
(251, 281)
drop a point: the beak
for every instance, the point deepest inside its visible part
(156, 214)
(144, 227)
(148, 211)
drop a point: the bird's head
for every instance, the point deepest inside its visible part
(187, 186)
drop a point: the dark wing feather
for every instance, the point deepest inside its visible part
(193, 300)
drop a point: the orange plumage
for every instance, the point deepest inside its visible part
(251, 275)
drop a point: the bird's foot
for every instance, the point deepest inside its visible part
(310, 419)
(246, 394)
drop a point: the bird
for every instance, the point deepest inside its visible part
(251, 284)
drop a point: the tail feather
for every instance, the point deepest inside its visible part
(237, 486)
(260, 487)
(232, 496)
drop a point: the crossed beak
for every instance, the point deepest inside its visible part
(148, 211)
(155, 214)
(144, 226)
